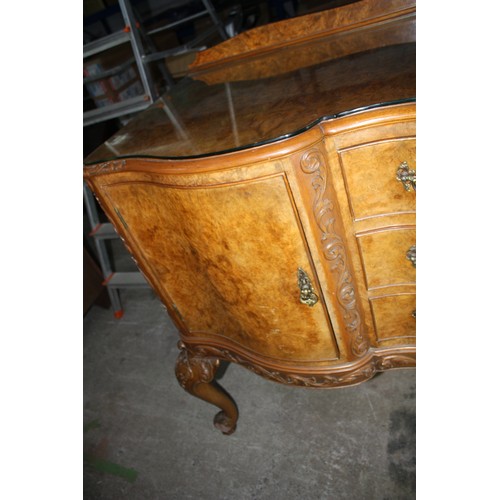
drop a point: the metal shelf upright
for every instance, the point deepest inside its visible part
(144, 53)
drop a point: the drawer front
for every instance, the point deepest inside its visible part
(394, 317)
(385, 255)
(370, 173)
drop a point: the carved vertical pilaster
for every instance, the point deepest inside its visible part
(333, 249)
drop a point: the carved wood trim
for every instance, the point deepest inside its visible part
(334, 251)
(193, 370)
(374, 362)
(394, 360)
(106, 167)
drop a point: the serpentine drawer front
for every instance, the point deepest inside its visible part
(370, 171)
(384, 253)
(274, 216)
(395, 318)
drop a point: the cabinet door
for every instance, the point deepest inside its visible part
(225, 255)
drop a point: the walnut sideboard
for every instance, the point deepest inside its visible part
(274, 216)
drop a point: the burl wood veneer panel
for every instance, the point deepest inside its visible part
(394, 318)
(302, 29)
(370, 174)
(384, 258)
(310, 53)
(226, 256)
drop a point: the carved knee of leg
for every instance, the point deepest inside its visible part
(196, 375)
(192, 370)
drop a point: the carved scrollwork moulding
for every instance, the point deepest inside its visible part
(313, 163)
(106, 167)
(394, 360)
(374, 362)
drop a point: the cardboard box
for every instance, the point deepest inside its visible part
(122, 84)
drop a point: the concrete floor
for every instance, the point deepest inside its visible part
(145, 438)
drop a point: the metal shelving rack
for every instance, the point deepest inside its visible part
(144, 53)
(113, 280)
(130, 34)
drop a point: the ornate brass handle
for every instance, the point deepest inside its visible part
(414, 314)
(406, 176)
(307, 295)
(411, 255)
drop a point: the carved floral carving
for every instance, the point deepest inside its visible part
(351, 376)
(313, 163)
(191, 370)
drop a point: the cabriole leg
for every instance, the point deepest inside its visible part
(196, 375)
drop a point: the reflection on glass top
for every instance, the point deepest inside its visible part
(242, 105)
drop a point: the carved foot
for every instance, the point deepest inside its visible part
(196, 375)
(224, 423)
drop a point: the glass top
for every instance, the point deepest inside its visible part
(273, 96)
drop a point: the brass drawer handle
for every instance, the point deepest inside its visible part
(411, 255)
(414, 314)
(406, 176)
(307, 295)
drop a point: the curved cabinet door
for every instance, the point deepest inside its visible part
(223, 251)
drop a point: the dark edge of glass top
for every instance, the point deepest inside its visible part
(259, 143)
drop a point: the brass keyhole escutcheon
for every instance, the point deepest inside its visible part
(406, 176)
(307, 295)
